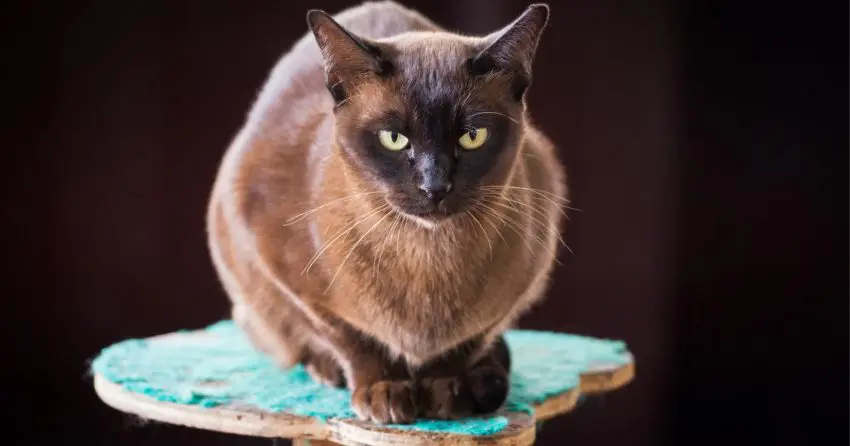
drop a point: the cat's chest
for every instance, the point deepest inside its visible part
(420, 322)
(424, 299)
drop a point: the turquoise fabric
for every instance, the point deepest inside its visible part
(224, 369)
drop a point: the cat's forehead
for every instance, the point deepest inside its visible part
(422, 55)
(430, 71)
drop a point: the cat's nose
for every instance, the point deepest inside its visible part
(436, 192)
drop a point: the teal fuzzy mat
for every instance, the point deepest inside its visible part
(223, 369)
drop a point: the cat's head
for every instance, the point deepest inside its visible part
(432, 120)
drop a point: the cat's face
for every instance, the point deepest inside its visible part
(431, 120)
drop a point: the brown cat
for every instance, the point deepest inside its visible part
(388, 210)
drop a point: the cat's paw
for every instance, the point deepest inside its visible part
(324, 369)
(477, 392)
(386, 402)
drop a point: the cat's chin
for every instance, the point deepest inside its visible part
(425, 222)
(428, 220)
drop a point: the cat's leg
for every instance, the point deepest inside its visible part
(323, 368)
(382, 389)
(454, 387)
(288, 344)
(280, 339)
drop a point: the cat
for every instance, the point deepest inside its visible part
(388, 210)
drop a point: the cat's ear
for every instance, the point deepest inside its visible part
(514, 46)
(346, 55)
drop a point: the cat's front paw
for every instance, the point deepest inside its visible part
(386, 402)
(479, 391)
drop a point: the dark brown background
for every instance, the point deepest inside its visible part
(707, 149)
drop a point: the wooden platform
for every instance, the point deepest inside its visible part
(246, 420)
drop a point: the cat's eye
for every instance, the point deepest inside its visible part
(391, 140)
(473, 139)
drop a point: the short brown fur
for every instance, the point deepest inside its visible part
(405, 311)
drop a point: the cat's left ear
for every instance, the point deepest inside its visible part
(514, 46)
(346, 55)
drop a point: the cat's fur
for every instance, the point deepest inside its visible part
(408, 306)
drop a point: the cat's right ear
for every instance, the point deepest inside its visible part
(347, 57)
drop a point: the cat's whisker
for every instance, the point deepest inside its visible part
(483, 230)
(475, 208)
(536, 207)
(401, 228)
(342, 232)
(508, 222)
(462, 218)
(357, 243)
(537, 220)
(546, 193)
(534, 219)
(556, 200)
(516, 225)
(466, 227)
(539, 207)
(383, 242)
(513, 224)
(493, 113)
(513, 227)
(303, 215)
(504, 193)
(543, 210)
(520, 226)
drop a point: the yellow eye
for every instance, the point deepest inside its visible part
(394, 141)
(473, 139)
